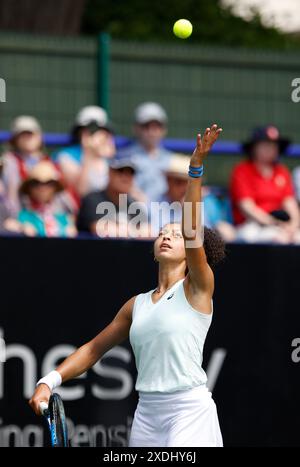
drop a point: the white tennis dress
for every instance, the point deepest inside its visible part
(175, 408)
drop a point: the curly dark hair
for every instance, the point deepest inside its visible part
(214, 247)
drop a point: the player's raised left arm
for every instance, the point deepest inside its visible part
(200, 274)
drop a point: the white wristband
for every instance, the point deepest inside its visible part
(52, 379)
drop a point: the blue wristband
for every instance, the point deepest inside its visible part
(196, 172)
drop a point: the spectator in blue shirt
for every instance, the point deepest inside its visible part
(149, 156)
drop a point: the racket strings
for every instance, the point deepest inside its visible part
(58, 421)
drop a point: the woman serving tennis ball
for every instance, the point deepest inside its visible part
(167, 328)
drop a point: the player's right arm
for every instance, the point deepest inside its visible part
(88, 354)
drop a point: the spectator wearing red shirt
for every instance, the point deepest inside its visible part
(262, 194)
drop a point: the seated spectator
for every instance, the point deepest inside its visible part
(105, 213)
(26, 150)
(85, 164)
(4, 211)
(264, 205)
(296, 180)
(147, 153)
(217, 214)
(42, 217)
(177, 180)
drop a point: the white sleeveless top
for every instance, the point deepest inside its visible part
(167, 339)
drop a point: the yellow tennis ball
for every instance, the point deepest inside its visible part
(183, 28)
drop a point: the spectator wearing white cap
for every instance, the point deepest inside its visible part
(84, 165)
(26, 150)
(150, 157)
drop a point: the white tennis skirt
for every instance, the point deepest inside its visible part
(182, 418)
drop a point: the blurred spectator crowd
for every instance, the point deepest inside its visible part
(91, 188)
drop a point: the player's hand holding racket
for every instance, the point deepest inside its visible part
(51, 407)
(41, 394)
(54, 413)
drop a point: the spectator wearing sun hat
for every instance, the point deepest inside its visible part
(26, 150)
(147, 152)
(42, 217)
(84, 165)
(177, 180)
(262, 193)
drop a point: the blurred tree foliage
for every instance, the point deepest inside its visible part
(153, 20)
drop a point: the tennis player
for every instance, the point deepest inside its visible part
(167, 328)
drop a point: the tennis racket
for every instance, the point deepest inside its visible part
(56, 421)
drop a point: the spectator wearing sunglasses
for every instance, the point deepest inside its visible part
(106, 213)
(42, 216)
